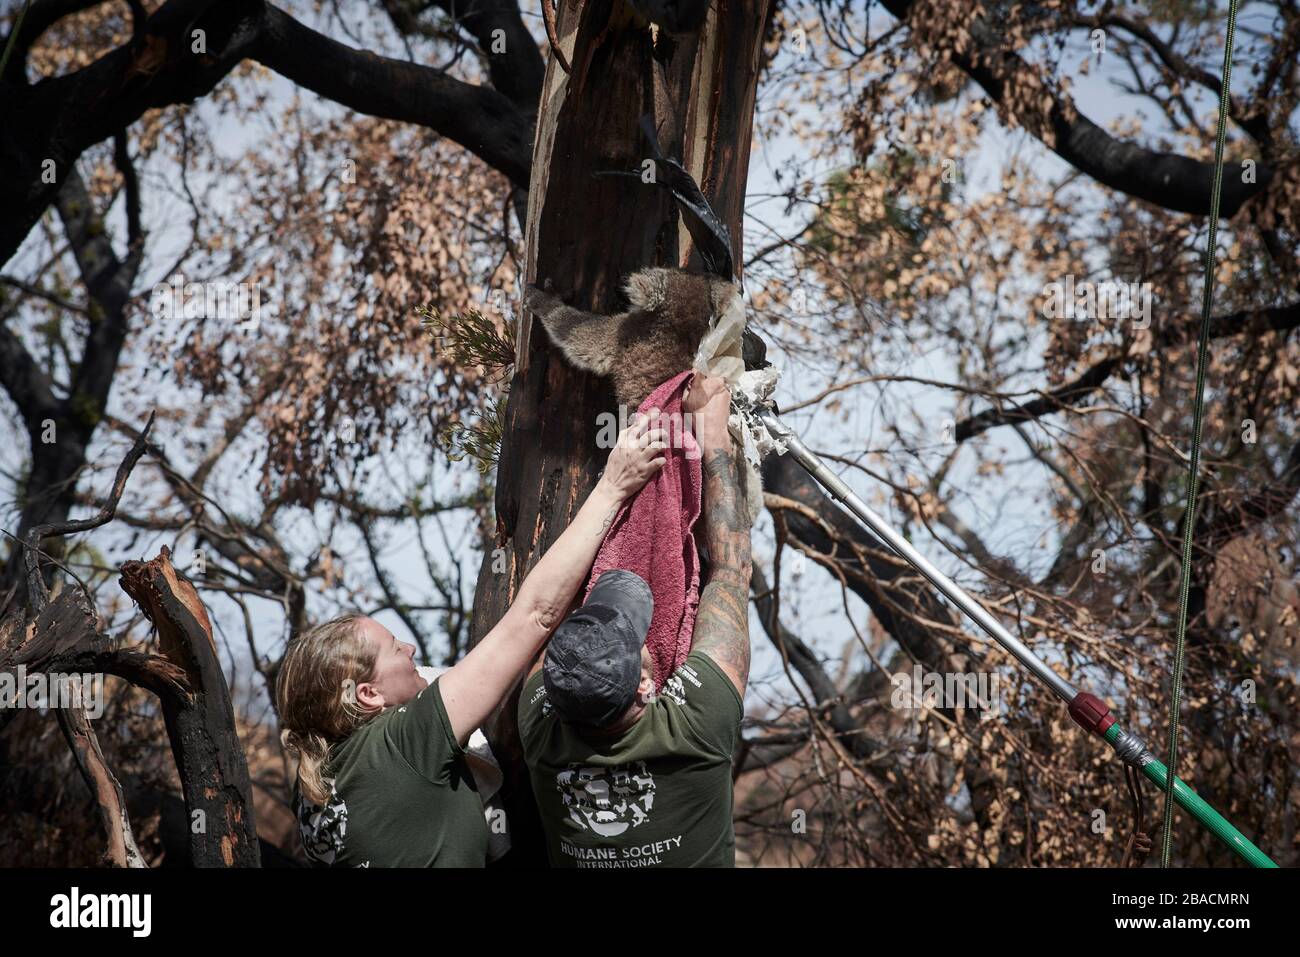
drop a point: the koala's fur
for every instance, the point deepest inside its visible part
(653, 341)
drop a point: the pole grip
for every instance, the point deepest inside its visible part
(1093, 715)
(1192, 802)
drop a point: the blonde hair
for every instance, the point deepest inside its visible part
(316, 695)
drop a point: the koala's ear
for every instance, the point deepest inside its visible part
(647, 289)
(588, 340)
(722, 293)
(540, 303)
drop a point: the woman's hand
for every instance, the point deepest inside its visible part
(636, 457)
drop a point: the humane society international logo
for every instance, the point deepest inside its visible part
(606, 801)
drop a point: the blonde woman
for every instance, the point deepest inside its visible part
(382, 778)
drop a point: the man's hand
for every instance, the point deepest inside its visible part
(636, 458)
(708, 400)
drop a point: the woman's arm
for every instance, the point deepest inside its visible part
(476, 684)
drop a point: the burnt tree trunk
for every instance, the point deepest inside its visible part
(585, 233)
(200, 723)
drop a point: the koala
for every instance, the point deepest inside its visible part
(658, 337)
(654, 340)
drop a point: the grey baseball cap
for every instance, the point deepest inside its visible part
(593, 662)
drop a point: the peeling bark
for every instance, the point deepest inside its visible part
(109, 800)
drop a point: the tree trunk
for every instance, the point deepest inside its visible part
(585, 233)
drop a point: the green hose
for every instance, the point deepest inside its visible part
(1190, 801)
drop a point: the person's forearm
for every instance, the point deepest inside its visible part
(722, 623)
(549, 588)
(725, 516)
(477, 683)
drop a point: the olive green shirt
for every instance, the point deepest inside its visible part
(401, 795)
(658, 794)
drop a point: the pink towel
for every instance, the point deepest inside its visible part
(652, 536)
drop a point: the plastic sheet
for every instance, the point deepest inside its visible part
(720, 354)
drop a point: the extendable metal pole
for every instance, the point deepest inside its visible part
(973, 609)
(1087, 710)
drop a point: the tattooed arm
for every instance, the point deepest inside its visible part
(477, 683)
(722, 626)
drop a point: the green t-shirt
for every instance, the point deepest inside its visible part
(402, 795)
(656, 795)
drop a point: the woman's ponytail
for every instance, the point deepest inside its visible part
(315, 693)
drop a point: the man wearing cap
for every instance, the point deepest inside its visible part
(624, 777)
